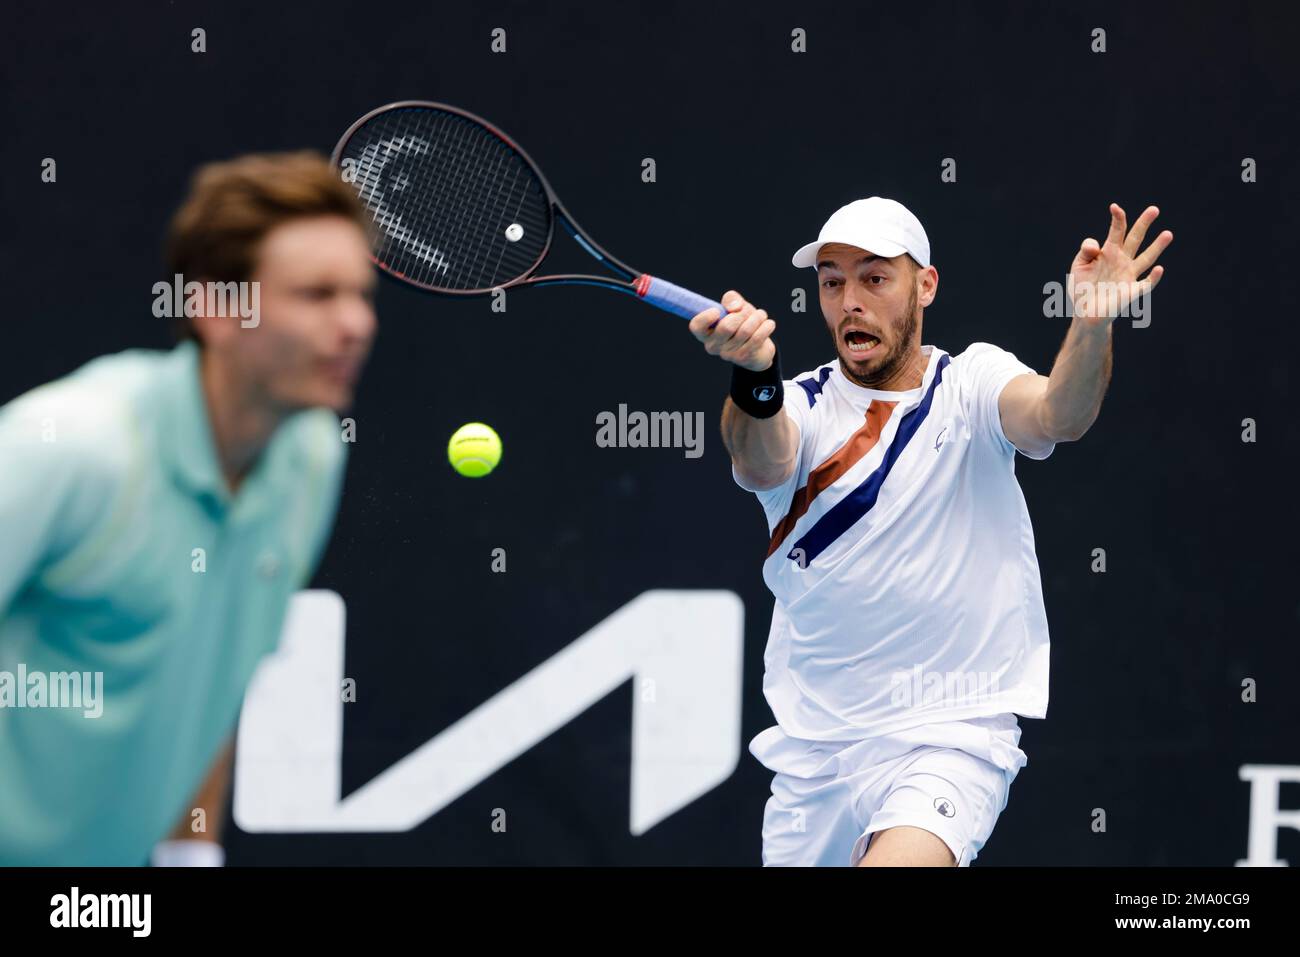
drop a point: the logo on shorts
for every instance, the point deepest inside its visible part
(945, 807)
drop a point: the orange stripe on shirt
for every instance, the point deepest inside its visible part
(825, 475)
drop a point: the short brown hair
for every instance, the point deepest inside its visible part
(232, 205)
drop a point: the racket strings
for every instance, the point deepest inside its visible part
(457, 207)
(514, 218)
(372, 189)
(396, 192)
(478, 187)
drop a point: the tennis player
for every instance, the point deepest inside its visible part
(158, 510)
(908, 629)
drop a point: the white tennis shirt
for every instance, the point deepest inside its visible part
(902, 556)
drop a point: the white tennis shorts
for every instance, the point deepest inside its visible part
(828, 797)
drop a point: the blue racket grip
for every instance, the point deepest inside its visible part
(675, 299)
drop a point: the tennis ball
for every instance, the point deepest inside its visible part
(474, 450)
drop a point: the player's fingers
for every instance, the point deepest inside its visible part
(757, 344)
(738, 342)
(1118, 224)
(703, 323)
(1152, 280)
(731, 323)
(1148, 259)
(749, 326)
(1089, 250)
(1133, 242)
(732, 300)
(754, 344)
(718, 338)
(734, 321)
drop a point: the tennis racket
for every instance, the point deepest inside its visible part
(462, 210)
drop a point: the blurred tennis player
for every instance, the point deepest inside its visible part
(158, 510)
(909, 629)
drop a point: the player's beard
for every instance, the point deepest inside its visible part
(899, 355)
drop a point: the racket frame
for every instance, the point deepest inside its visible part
(629, 277)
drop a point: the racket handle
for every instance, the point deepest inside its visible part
(673, 298)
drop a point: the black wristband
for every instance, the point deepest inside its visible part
(759, 394)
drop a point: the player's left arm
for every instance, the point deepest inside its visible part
(188, 845)
(1038, 411)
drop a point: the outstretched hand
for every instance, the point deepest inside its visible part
(1104, 278)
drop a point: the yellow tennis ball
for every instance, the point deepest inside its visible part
(474, 450)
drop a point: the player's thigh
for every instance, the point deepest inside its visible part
(907, 846)
(808, 823)
(953, 796)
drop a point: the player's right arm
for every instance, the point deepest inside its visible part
(186, 847)
(58, 475)
(763, 450)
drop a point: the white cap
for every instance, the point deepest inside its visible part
(881, 226)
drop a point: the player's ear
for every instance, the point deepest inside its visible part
(208, 330)
(206, 318)
(927, 285)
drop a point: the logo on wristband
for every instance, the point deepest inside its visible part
(764, 392)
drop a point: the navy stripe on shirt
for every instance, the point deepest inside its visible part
(814, 386)
(845, 513)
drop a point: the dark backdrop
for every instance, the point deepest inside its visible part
(755, 145)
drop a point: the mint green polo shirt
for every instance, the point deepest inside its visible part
(109, 488)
